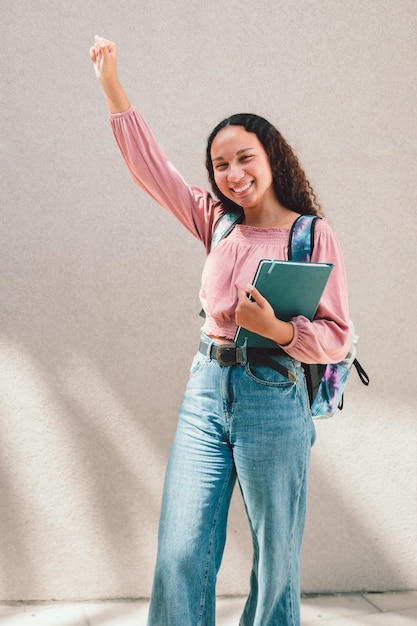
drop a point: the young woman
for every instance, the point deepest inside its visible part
(242, 421)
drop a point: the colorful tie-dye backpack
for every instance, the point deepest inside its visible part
(325, 383)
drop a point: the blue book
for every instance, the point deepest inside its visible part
(292, 289)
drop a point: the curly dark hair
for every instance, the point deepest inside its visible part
(291, 186)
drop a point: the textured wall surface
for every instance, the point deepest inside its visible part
(98, 316)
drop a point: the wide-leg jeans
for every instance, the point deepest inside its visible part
(248, 423)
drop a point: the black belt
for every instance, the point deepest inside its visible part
(228, 354)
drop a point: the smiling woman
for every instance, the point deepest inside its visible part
(291, 188)
(242, 419)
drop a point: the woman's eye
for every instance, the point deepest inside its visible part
(221, 166)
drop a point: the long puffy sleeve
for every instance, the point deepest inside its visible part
(154, 173)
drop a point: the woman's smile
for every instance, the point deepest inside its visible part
(242, 189)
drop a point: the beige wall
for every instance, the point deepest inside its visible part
(99, 287)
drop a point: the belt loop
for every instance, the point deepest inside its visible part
(209, 343)
(243, 358)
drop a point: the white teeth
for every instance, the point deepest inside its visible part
(241, 189)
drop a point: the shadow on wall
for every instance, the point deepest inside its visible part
(351, 542)
(79, 485)
(83, 452)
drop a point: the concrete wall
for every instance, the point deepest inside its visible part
(95, 347)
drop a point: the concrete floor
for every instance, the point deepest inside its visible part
(368, 609)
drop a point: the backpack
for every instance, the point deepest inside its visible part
(325, 382)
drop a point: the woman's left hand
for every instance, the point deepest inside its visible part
(257, 315)
(104, 56)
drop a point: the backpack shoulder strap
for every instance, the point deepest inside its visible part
(301, 239)
(224, 226)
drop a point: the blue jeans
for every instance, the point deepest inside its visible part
(244, 422)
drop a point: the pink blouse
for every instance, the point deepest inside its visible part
(234, 260)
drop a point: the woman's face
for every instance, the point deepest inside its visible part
(241, 168)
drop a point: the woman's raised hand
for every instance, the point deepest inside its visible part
(104, 56)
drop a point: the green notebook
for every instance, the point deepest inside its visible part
(292, 288)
